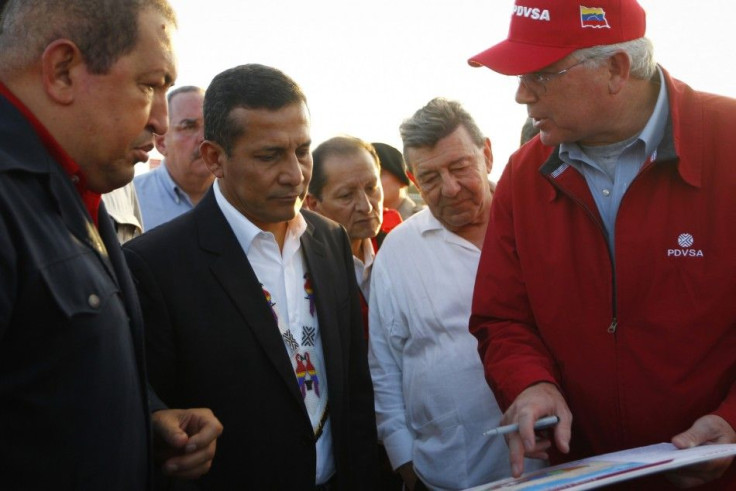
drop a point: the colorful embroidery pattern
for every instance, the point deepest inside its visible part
(270, 303)
(310, 293)
(306, 375)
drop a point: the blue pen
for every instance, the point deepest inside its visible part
(546, 422)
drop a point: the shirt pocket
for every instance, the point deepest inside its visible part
(79, 285)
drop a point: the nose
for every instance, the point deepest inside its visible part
(450, 186)
(158, 119)
(292, 173)
(363, 203)
(525, 95)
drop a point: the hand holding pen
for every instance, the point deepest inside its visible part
(541, 424)
(534, 403)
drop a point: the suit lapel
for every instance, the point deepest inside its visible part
(232, 270)
(316, 256)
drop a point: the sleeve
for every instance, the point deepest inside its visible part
(160, 348)
(384, 358)
(511, 349)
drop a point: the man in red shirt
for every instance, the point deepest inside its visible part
(605, 288)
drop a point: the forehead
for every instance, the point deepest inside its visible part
(153, 54)
(264, 128)
(187, 104)
(449, 149)
(350, 167)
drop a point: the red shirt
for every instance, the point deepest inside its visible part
(90, 198)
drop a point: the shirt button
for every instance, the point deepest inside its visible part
(606, 192)
(94, 301)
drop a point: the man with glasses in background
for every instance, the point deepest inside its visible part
(605, 288)
(182, 179)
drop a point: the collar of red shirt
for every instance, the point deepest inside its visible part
(90, 198)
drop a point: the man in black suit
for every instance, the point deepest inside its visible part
(82, 90)
(251, 304)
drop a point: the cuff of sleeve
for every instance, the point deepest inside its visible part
(398, 446)
(727, 409)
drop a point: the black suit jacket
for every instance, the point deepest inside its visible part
(212, 342)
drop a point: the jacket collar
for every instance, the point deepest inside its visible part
(685, 119)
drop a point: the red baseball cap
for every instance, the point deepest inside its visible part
(543, 32)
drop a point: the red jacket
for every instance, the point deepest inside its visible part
(642, 351)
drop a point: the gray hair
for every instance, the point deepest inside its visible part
(640, 52)
(103, 30)
(436, 120)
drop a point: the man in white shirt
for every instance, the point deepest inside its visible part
(432, 401)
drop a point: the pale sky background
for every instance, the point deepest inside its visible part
(365, 66)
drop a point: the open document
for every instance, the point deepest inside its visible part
(606, 469)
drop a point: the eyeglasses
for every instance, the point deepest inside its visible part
(537, 81)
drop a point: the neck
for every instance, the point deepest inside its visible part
(195, 186)
(357, 247)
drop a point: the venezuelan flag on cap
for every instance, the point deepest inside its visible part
(593, 17)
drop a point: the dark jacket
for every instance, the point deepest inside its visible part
(212, 341)
(73, 404)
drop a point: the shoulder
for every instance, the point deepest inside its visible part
(320, 224)
(145, 182)
(402, 239)
(165, 240)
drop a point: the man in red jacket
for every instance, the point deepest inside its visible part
(605, 288)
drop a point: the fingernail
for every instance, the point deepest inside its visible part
(171, 467)
(515, 469)
(528, 445)
(190, 448)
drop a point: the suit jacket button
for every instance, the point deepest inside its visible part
(94, 301)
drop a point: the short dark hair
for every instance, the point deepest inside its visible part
(339, 145)
(251, 86)
(103, 30)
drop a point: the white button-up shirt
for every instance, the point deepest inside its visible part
(432, 399)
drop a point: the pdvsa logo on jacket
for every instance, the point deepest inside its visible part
(685, 242)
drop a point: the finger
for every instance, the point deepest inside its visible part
(167, 427)
(526, 430)
(191, 464)
(204, 432)
(516, 454)
(562, 433)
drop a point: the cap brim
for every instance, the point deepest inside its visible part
(512, 58)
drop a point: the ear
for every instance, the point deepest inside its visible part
(488, 155)
(61, 65)
(214, 157)
(311, 202)
(160, 142)
(619, 72)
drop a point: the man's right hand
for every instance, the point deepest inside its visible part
(535, 402)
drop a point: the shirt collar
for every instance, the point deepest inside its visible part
(169, 185)
(246, 231)
(651, 135)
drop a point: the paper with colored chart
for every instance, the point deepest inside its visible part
(606, 469)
